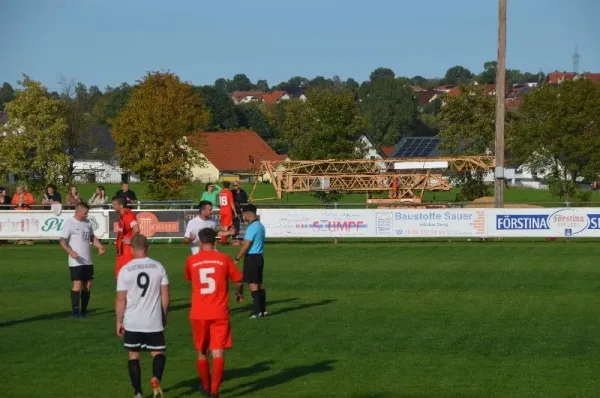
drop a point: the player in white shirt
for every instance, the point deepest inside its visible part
(75, 238)
(198, 223)
(142, 304)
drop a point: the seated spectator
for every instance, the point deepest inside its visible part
(4, 199)
(99, 197)
(73, 196)
(22, 199)
(128, 194)
(51, 196)
(211, 194)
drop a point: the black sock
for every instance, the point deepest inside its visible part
(158, 366)
(135, 375)
(256, 302)
(85, 299)
(263, 301)
(75, 301)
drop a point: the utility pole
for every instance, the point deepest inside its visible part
(500, 88)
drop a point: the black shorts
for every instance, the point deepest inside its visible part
(82, 273)
(141, 341)
(253, 268)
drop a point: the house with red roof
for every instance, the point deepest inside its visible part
(246, 97)
(232, 153)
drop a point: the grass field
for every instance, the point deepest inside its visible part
(514, 195)
(360, 320)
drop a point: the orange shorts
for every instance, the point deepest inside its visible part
(226, 220)
(214, 334)
(123, 259)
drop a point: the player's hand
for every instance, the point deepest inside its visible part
(120, 330)
(101, 250)
(74, 255)
(192, 237)
(239, 298)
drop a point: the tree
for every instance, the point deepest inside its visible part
(221, 108)
(458, 75)
(251, 116)
(240, 82)
(557, 129)
(382, 73)
(320, 82)
(7, 94)
(32, 144)
(262, 85)
(110, 105)
(155, 136)
(468, 128)
(296, 83)
(488, 76)
(390, 107)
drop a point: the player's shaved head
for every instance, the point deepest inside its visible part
(207, 236)
(139, 243)
(120, 200)
(82, 205)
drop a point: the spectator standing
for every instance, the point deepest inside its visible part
(99, 197)
(128, 194)
(51, 197)
(73, 196)
(4, 199)
(240, 197)
(211, 194)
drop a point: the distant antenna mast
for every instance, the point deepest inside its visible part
(576, 57)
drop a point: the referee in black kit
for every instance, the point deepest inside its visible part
(252, 251)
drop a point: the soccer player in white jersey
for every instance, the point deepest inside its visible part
(198, 223)
(75, 238)
(142, 304)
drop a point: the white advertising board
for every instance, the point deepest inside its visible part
(424, 223)
(39, 224)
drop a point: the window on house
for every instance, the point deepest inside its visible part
(125, 177)
(91, 178)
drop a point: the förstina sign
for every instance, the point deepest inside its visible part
(551, 222)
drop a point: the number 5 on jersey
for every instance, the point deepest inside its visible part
(207, 279)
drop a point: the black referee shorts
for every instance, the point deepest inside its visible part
(253, 268)
(82, 273)
(142, 341)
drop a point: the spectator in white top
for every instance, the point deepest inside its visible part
(198, 223)
(99, 197)
(75, 238)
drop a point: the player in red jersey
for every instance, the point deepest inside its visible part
(227, 210)
(210, 272)
(127, 229)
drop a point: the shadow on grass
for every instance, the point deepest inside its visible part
(192, 386)
(285, 376)
(51, 317)
(233, 310)
(300, 307)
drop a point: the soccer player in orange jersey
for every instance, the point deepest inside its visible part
(226, 209)
(128, 228)
(210, 272)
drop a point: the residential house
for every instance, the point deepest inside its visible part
(297, 94)
(559, 77)
(425, 97)
(232, 153)
(245, 97)
(97, 162)
(387, 150)
(445, 88)
(373, 151)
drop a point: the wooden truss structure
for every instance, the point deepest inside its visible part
(403, 179)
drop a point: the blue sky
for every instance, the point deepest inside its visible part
(106, 42)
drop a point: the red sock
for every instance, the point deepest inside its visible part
(203, 372)
(218, 365)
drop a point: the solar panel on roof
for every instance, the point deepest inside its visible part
(417, 147)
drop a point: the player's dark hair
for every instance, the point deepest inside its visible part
(139, 242)
(250, 208)
(121, 199)
(226, 184)
(51, 186)
(204, 203)
(207, 235)
(82, 204)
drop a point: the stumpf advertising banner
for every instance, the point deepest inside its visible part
(554, 222)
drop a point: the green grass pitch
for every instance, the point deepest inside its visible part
(404, 319)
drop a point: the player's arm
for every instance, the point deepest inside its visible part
(120, 305)
(188, 271)
(189, 236)
(64, 241)
(98, 245)
(135, 229)
(232, 204)
(236, 276)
